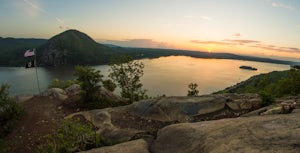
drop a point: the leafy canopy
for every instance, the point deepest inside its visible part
(89, 80)
(127, 74)
(193, 91)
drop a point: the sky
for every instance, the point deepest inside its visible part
(268, 28)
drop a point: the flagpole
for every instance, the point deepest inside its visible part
(37, 77)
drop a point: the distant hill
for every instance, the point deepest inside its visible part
(12, 50)
(73, 47)
(277, 83)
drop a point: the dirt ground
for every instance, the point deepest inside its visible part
(42, 117)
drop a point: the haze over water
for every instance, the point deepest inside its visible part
(165, 75)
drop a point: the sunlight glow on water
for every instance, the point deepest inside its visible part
(165, 75)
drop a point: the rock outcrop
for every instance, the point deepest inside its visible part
(144, 118)
(135, 146)
(260, 134)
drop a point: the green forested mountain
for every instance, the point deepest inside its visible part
(73, 47)
(277, 84)
(12, 50)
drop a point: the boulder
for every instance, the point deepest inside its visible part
(136, 146)
(259, 134)
(110, 96)
(55, 93)
(73, 89)
(191, 109)
(144, 118)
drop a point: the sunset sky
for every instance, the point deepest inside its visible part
(256, 27)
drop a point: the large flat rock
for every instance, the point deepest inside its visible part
(258, 134)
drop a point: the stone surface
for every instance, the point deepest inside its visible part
(136, 146)
(73, 89)
(191, 109)
(259, 134)
(55, 93)
(144, 118)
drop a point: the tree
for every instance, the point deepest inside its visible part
(109, 85)
(10, 111)
(193, 89)
(127, 73)
(89, 80)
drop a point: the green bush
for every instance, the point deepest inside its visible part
(109, 85)
(10, 111)
(266, 98)
(56, 83)
(127, 73)
(89, 80)
(193, 91)
(72, 136)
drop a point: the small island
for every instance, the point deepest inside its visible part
(248, 67)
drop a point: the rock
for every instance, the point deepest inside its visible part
(110, 96)
(259, 134)
(56, 93)
(190, 109)
(142, 119)
(136, 146)
(102, 119)
(73, 89)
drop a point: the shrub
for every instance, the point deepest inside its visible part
(56, 83)
(89, 80)
(267, 98)
(109, 85)
(71, 136)
(193, 91)
(10, 111)
(127, 73)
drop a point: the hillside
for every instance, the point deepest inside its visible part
(12, 50)
(277, 84)
(73, 47)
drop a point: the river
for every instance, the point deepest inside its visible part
(166, 75)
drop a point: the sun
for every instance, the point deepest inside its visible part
(210, 48)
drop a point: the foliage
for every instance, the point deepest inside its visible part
(89, 80)
(279, 84)
(71, 136)
(127, 73)
(109, 85)
(56, 83)
(193, 91)
(10, 111)
(267, 98)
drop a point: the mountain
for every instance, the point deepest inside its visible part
(12, 50)
(73, 47)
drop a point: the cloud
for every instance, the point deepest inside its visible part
(281, 5)
(226, 42)
(35, 6)
(140, 43)
(236, 35)
(278, 49)
(211, 42)
(64, 27)
(206, 18)
(242, 41)
(36, 9)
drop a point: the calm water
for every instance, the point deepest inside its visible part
(165, 75)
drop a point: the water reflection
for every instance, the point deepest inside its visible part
(165, 75)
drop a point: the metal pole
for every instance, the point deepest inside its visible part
(37, 77)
